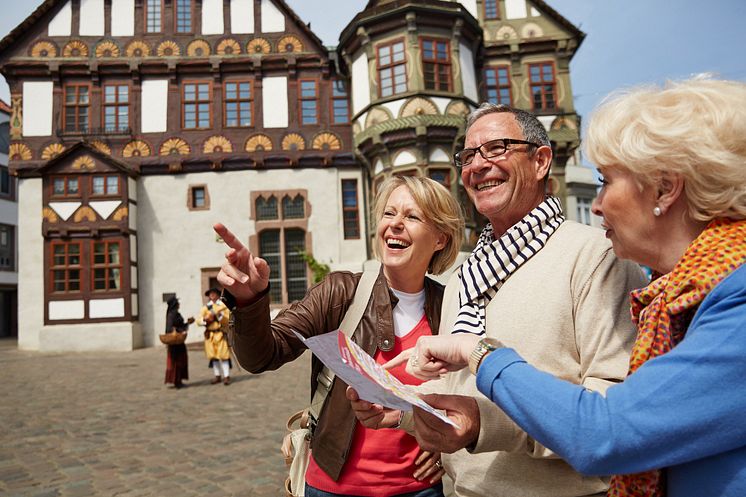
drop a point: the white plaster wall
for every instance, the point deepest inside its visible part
(37, 108)
(212, 17)
(66, 309)
(546, 121)
(122, 17)
(471, 6)
(275, 102)
(242, 16)
(515, 9)
(61, 23)
(468, 77)
(167, 227)
(30, 264)
(395, 106)
(272, 19)
(404, 157)
(437, 154)
(441, 103)
(360, 83)
(90, 337)
(132, 189)
(154, 105)
(106, 308)
(91, 17)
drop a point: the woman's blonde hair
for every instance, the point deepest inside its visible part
(695, 128)
(439, 208)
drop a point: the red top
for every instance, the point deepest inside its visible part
(380, 462)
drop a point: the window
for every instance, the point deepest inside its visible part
(436, 65)
(196, 106)
(7, 247)
(490, 9)
(293, 208)
(350, 210)
(66, 267)
(497, 84)
(584, 210)
(269, 250)
(198, 198)
(392, 69)
(183, 16)
(295, 265)
(266, 209)
(281, 241)
(153, 16)
(76, 108)
(65, 186)
(541, 79)
(116, 108)
(6, 182)
(237, 99)
(340, 102)
(442, 176)
(309, 104)
(105, 185)
(107, 266)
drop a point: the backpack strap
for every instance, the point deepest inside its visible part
(349, 324)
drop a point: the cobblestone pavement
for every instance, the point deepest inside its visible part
(104, 424)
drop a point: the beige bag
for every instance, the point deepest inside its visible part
(296, 446)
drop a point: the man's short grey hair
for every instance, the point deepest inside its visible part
(533, 130)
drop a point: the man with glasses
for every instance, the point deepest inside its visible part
(550, 288)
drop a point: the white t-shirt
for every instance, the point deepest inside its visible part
(408, 312)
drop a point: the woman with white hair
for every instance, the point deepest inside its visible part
(673, 161)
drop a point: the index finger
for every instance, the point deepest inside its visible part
(228, 237)
(400, 359)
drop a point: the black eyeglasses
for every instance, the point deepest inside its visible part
(488, 150)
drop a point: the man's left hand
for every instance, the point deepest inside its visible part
(435, 435)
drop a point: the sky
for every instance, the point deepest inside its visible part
(627, 42)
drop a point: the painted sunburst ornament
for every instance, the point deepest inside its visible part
(175, 146)
(258, 143)
(136, 148)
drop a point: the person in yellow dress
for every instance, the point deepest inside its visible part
(214, 317)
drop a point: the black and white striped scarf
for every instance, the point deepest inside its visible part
(493, 261)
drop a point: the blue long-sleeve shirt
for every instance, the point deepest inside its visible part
(684, 411)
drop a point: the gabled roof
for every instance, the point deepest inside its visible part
(22, 28)
(48, 5)
(90, 149)
(544, 7)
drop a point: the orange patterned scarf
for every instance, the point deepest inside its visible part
(664, 309)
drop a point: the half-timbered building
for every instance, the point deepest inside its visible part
(137, 124)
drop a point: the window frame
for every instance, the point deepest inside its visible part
(106, 193)
(176, 12)
(333, 98)
(190, 198)
(314, 99)
(116, 104)
(355, 210)
(497, 10)
(497, 86)
(11, 235)
(77, 106)
(238, 101)
(67, 179)
(66, 267)
(107, 266)
(196, 102)
(11, 193)
(390, 67)
(437, 63)
(542, 84)
(146, 13)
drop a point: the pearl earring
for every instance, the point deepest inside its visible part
(657, 211)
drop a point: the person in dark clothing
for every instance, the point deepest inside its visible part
(177, 361)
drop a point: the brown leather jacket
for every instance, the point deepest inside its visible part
(260, 345)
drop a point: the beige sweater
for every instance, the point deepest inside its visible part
(566, 311)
